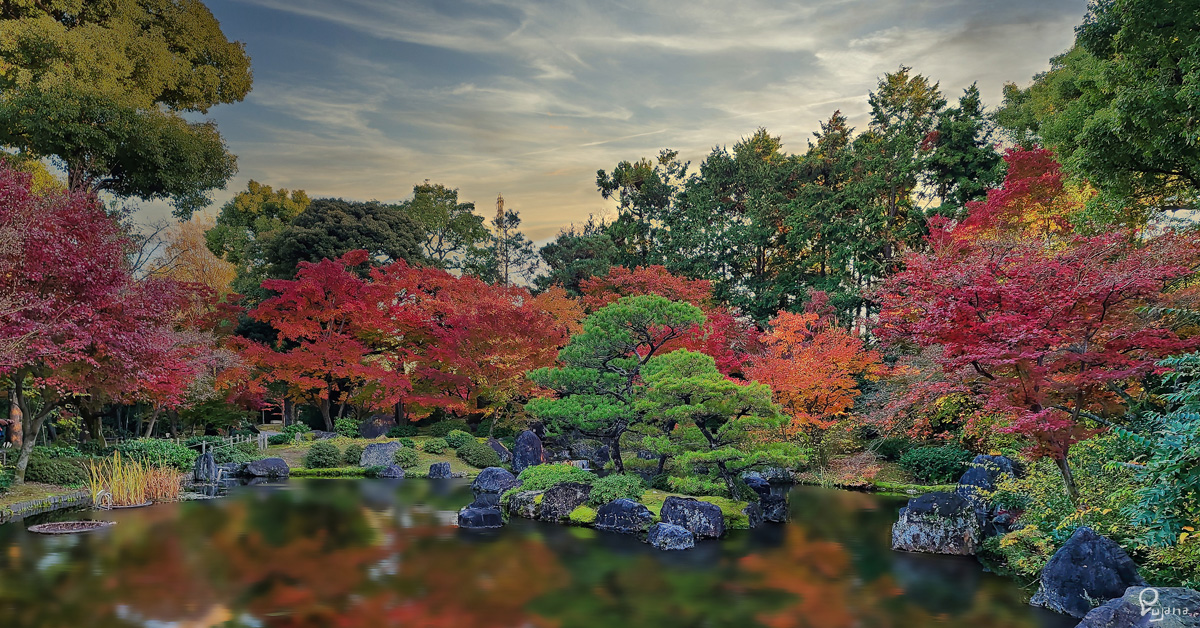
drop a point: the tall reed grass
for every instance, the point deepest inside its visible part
(125, 482)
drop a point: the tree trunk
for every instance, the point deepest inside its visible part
(616, 454)
(94, 424)
(325, 414)
(150, 425)
(1064, 467)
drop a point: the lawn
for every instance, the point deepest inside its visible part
(33, 490)
(293, 454)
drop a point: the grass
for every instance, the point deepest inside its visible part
(293, 454)
(31, 491)
(125, 482)
(735, 519)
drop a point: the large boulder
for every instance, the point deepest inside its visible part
(559, 500)
(377, 425)
(486, 500)
(623, 515)
(937, 523)
(228, 470)
(494, 480)
(757, 483)
(440, 471)
(527, 452)
(983, 474)
(754, 514)
(268, 468)
(476, 518)
(1146, 607)
(1088, 569)
(702, 519)
(777, 475)
(392, 471)
(500, 449)
(205, 471)
(379, 454)
(323, 435)
(667, 536)
(774, 508)
(527, 504)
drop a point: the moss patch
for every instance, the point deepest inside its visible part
(583, 516)
(735, 519)
(31, 491)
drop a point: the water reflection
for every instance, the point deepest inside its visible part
(385, 553)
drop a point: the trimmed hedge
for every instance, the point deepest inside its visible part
(435, 446)
(407, 457)
(442, 428)
(543, 476)
(353, 453)
(616, 486)
(398, 431)
(322, 455)
(458, 438)
(936, 465)
(478, 455)
(347, 427)
(60, 471)
(159, 452)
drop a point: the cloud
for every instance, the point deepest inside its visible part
(364, 98)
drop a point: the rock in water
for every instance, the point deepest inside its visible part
(232, 469)
(525, 504)
(937, 523)
(486, 500)
(268, 468)
(559, 500)
(439, 471)
(754, 515)
(206, 469)
(702, 519)
(494, 480)
(476, 518)
(758, 484)
(500, 449)
(667, 536)
(392, 471)
(774, 508)
(1147, 607)
(623, 515)
(379, 454)
(1087, 567)
(527, 452)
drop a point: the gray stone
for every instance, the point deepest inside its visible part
(494, 480)
(1145, 607)
(937, 523)
(754, 515)
(480, 518)
(757, 483)
(500, 449)
(702, 519)
(592, 450)
(777, 475)
(667, 536)
(559, 500)
(527, 504)
(232, 469)
(379, 454)
(205, 470)
(440, 471)
(391, 471)
(377, 425)
(323, 435)
(268, 468)
(982, 476)
(623, 515)
(774, 507)
(527, 452)
(1087, 570)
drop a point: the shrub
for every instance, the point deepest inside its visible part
(407, 457)
(478, 454)
(435, 445)
(1023, 551)
(61, 471)
(891, 449)
(458, 438)
(499, 431)
(57, 451)
(582, 516)
(279, 439)
(936, 465)
(353, 453)
(398, 431)
(6, 479)
(407, 442)
(159, 452)
(543, 476)
(616, 486)
(347, 427)
(442, 428)
(322, 455)
(295, 428)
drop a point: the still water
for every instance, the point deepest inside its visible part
(372, 553)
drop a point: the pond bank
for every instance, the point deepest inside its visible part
(32, 499)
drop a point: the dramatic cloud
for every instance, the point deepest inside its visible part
(364, 98)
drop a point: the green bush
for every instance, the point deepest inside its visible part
(398, 431)
(583, 516)
(458, 438)
(322, 455)
(936, 465)
(279, 439)
(353, 453)
(407, 442)
(543, 476)
(478, 454)
(407, 457)
(295, 428)
(442, 428)
(159, 452)
(347, 427)
(61, 471)
(500, 431)
(6, 479)
(891, 449)
(616, 486)
(57, 451)
(435, 446)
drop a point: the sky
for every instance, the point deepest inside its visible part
(362, 99)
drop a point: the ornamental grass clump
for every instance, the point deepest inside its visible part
(119, 481)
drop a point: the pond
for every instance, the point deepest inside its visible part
(386, 553)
